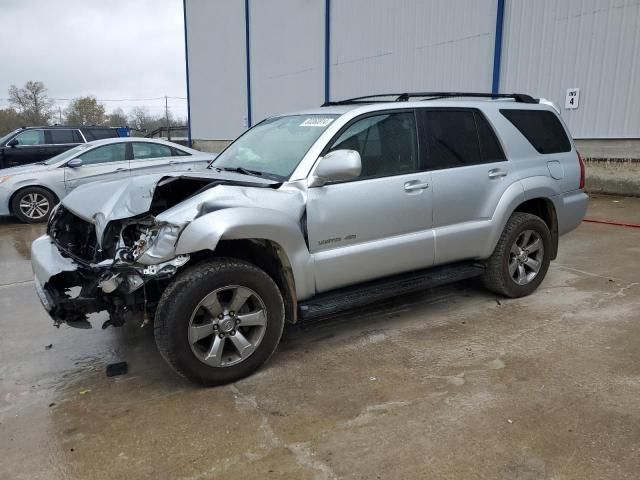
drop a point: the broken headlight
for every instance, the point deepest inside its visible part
(148, 244)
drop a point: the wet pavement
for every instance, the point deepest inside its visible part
(450, 383)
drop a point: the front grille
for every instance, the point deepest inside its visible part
(74, 235)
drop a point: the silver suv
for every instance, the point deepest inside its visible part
(316, 212)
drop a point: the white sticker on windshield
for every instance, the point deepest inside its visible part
(316, 122)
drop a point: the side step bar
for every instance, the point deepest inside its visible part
(342, 299)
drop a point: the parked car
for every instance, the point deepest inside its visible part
(37, 144)
(311, 213)
(29, 192)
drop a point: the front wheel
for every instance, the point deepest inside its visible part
(521, 258)
(219, 321)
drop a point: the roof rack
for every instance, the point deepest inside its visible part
(404, 97)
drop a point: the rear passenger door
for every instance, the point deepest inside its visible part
(470, 173)
(149, 157)
(60, 140)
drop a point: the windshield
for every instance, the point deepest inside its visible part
(275, 146)
(68, 154)
(8, 136)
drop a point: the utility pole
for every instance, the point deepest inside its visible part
(60, 115)
(166, 114)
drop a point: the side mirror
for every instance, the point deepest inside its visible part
(336, 166)
(74, 163)
(13, 143)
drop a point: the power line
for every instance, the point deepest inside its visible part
(113, 99)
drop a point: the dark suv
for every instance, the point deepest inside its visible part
(36, 144)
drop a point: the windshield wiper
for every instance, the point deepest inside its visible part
(244, 171)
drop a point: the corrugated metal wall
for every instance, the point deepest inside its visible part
(404, 45)
(217, 86)
(594, 45)
(287, 56)
(411, 45)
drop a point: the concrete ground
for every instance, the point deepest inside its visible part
(451, 383)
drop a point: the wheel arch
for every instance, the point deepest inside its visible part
(545, 209)
(277, 234)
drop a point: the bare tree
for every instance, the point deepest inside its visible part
(32, 102)
(85, 111)
(117, 118)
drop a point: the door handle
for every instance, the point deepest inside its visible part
(415, 185)
(497, 173)
(174, 162)
(120, 170)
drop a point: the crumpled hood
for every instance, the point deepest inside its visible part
(103, 202)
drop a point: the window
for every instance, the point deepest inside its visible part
(77, 137)
(387, 144)
(31, 137)
(107, 153)
(181, 153)
(99, 133)
(143, 150)
(459, 137)
(490, 148)
(541, 127)
(62, 136)
(452, 138)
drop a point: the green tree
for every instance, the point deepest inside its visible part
(85, 111)
(9, 120)
(32, 103)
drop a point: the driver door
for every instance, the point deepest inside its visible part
(103, 163)
(380, 223)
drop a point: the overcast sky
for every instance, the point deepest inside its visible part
(112, 49)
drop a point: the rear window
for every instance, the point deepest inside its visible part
(541, 128)
(99, 133)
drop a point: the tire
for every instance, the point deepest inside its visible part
(33, 204)
(190, 305)
(500, 276)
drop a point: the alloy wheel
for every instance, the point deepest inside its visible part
(34, 206)
(227, 326)
(525, 257)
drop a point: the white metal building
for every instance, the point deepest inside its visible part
(248, 59)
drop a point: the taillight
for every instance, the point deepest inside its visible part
(582, 173)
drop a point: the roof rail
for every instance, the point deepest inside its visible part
(404, 97)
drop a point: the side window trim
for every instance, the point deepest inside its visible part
(423, 129)
(364, 116)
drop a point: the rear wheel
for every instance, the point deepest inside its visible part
(220, 321)
(521, 258)
(32, 204)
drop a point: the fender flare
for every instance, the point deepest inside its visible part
(246, 223)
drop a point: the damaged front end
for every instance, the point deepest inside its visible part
(79, 272)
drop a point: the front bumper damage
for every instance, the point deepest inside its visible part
(71, 289)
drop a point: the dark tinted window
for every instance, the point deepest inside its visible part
(387, 144)
(542, 128)
(143, 150)
(452, 138)
(108, 153)
(99, 133)
(61, 136)
(77, 137)
(490, 148)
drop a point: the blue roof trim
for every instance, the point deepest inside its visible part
(327, 50)
(186, 62)
(248, 58)
(497, 48)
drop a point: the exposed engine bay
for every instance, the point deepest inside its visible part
(121, 263)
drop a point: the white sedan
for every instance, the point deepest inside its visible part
(29, 192)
